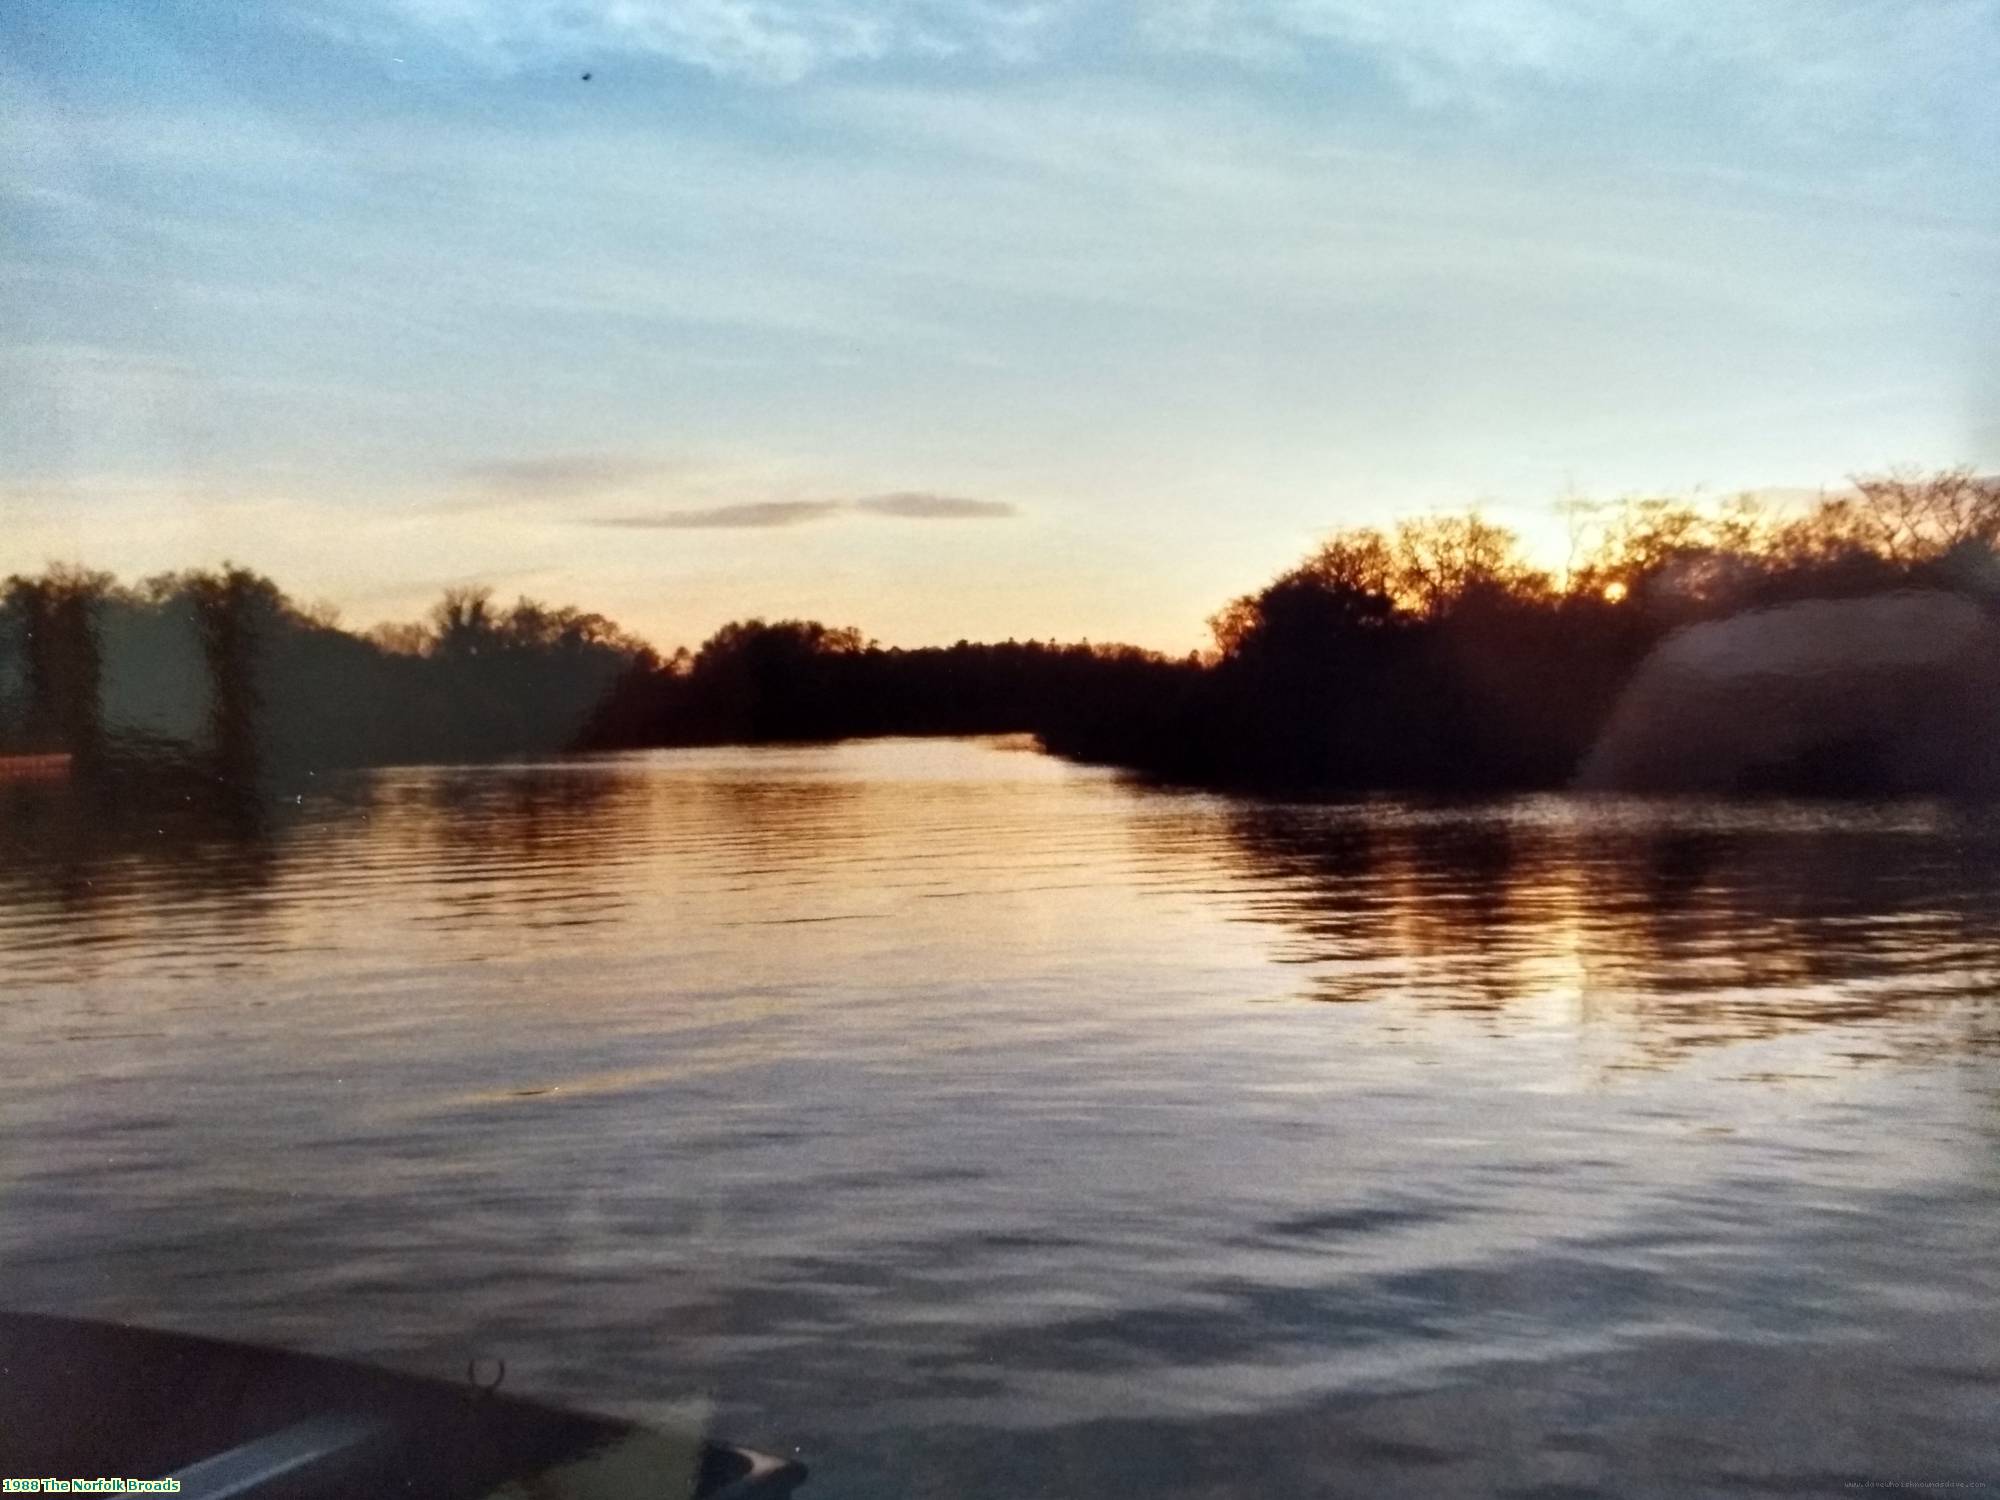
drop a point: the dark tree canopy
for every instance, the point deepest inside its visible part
(1428, 655)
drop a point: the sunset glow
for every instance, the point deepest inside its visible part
(1024, 321)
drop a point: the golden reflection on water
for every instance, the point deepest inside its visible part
(971, 1120)
(1660, 926)
(1673, 925)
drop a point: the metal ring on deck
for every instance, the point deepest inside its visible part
(472, 1377)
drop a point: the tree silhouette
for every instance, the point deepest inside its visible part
(1430, 655)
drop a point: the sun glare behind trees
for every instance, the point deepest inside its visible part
(1431, 654)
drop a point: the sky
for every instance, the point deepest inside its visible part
(978, 319)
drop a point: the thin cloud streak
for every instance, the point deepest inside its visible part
(762, 515)
(920, 505)
(905, 505)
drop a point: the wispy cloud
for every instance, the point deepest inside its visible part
(921, 505)
(759, 515)
(774, 41)
(1495, 52)
(908, 505)
(1439, 53)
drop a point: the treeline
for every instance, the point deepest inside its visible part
(1434, 656)
(1429, 655)
(220, 676)
(220, 673)
(756, 681)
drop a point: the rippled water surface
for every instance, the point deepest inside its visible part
(981, 1125)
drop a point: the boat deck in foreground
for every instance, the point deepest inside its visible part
(84, 1400)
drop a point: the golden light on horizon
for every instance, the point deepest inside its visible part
(1615, 592)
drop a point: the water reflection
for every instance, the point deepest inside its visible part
(83, 873)
(1679, 923)
(1675, 924)
(529, 845)
(965, 1118)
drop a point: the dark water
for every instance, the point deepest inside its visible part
(978, 1125)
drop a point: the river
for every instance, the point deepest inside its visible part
(970, 1123)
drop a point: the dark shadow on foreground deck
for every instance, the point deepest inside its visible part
(89, 1400)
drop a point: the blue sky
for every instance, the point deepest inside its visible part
(968, 319)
